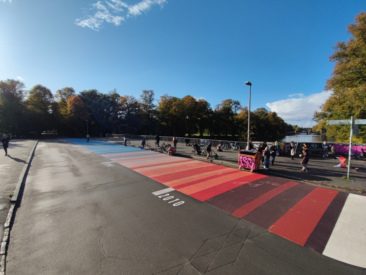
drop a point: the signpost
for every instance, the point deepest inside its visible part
(353, 128)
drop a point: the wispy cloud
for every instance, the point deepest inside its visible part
(115, 12)
(6, 1)
(299, 109)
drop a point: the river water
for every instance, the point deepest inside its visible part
(301, 138)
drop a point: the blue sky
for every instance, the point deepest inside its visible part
(205, 48)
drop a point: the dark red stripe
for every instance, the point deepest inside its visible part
(187, 173)
(232, 200)
(246, 208)
(320, 236)
(180, 186)
(271, 211)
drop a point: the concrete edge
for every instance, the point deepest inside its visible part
(14, 203)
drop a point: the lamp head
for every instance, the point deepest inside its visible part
(248, 83)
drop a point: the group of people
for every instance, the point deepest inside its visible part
(269, 153)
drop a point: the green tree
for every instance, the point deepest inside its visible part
(41, 110)
(348, 83)
(12, 110)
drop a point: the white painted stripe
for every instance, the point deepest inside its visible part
(347, 242)
(163, 191)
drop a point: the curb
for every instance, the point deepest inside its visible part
(14, 204)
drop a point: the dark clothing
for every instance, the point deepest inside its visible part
(157, 140)
(143, 143)
(5, 142)
(197, 149)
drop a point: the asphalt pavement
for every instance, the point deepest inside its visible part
(10, 170)
(85, 214)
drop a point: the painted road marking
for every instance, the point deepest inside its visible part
(165, 195)
(260, 200)
(348, 240)
(163, 191)
(299, 222)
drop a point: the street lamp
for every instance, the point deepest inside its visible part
(248, 83)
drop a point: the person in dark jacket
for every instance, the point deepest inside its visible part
(5, 142)
(157, 140)
(209, 150)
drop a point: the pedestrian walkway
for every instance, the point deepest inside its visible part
(310, 216)
(10, 169)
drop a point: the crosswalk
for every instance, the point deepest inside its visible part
(328, 221)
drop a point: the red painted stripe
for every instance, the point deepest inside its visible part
(299, 222)
(227, 186)
(254, 204)
(187, 173)
(160, 164)
(211, 176)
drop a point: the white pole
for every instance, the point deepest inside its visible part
(350, 147)
(248, 133)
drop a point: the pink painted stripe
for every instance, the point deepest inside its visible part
(254, 204)
(225, 187)
(161, 164)
(210, 183)
(168, 170)
(180, 183)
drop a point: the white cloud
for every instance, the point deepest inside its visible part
(6, 1)
(299, 109)
(143, 6)
(19, 78)
(114, 12)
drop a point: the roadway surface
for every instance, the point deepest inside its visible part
(10, 169)
(101, 208)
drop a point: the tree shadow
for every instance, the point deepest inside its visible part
(17, 159)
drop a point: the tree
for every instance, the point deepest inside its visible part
(348, 83)
(12, 110)
(41, 109)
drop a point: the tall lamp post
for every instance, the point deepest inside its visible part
(248, 83)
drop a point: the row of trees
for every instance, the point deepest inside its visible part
(68, 113)
(348, 83)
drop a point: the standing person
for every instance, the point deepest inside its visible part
(324, 150)
(273, 153)
(143, 143)
(87, 138)
(175, 141)
(157, 140)
(266, 156)
(304, 158)
(209, 150)
(5, 142)
(292, 149)
(277, 148)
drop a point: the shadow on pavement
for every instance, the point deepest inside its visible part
(17, 159)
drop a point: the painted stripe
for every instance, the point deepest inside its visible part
(204, 177)
(299, 222)
(347, 242)
(163, 191)
(271, 211)
(225, 187)
(121, 155)
(198, 177)
(167, 170)
(245, 209)
(156, 166)
(203, 185)
(143, 161)
(187, 173)
(320, 236)
(179, 161)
